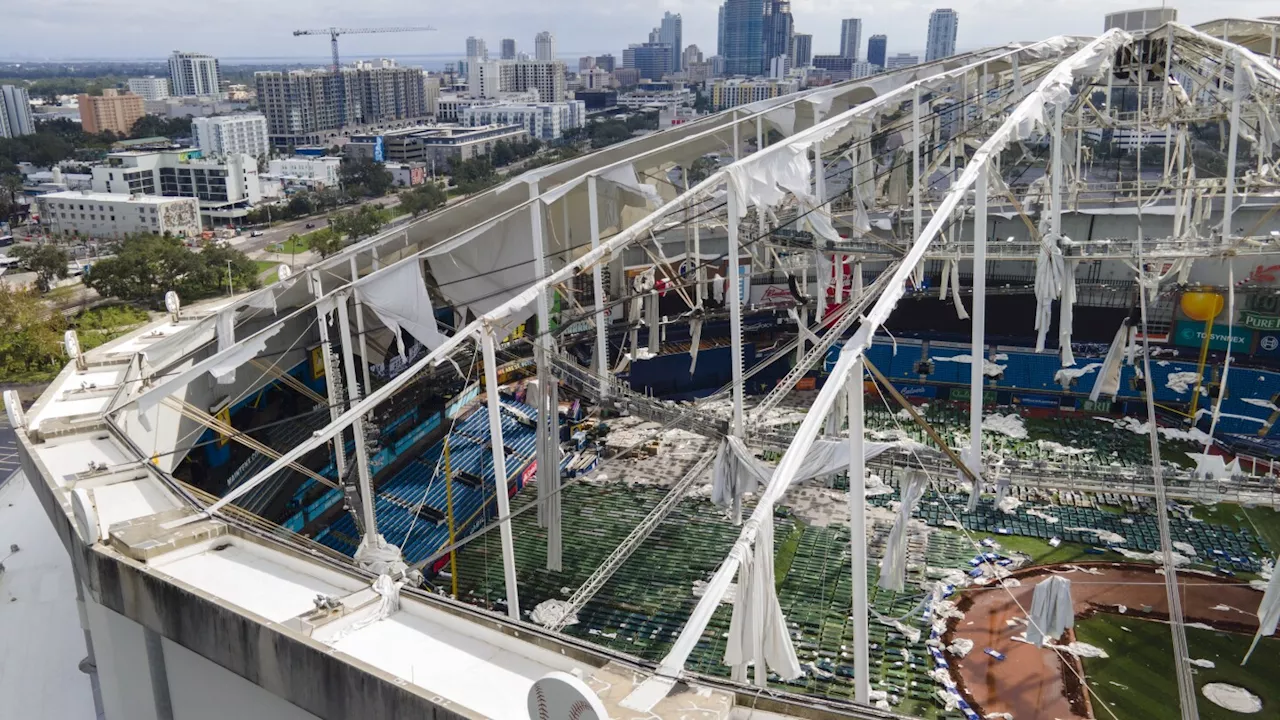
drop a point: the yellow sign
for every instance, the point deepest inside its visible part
(317, 362)
(224, 417)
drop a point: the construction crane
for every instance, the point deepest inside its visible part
(333, 34)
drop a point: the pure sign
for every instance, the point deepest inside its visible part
(1261, 312)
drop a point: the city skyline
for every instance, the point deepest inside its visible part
(579, 28)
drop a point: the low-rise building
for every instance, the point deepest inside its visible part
(314, 173)
(640, 99)
(436, 147)
(597, 99)
(544, 121)
(114, 215)
(901, 60)
(225, 187)
(734, 92)
(407, 174)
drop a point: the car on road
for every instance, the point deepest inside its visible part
(255, 233)
(310, 225)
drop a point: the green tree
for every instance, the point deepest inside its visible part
(370, 177)
(325, 241)
(156, 126)
(32, 339)
(501, 154)
(423, 198)
(46, 260)
(701, 169)
(474, 175)
(358, 223)
(701, 104)
(144, 267)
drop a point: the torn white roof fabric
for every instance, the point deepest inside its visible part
(1051, 611)
(893, 566)
(399, 298)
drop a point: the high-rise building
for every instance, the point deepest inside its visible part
(690, 56)
(941, 43)
(720, 32)
(778, 28)
(303, 105)
(544, 45)
(671, 32)
(193, 74)
(850, 38)
(113, 110)
(607, 63)
(15, 112)
(653, 60)
(508, 49)
(150, 87)
(801, 50)
(494, 78)
(744, 37)
(222, 135)
(476, 49)
(877, 49)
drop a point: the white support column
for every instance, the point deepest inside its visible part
(326, 348)
(858, 538)
(500, 471)
(1228, 200)
(737, 427)
(367, 509)
(1055, 218)
(364, 345)
(978, 352)
(597, 284)
(759, 133)
(917, 210)
(820, 192)
(737, 137)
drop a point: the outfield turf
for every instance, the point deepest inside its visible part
(1044, 554)
(1137, 682)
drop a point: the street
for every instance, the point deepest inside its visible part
(280, 233)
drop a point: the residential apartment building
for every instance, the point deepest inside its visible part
(232, 134)
(308, 107)
(193, 74)
(150, 87)
(15, 112)
(737, 91)
(544, 121)
(313, 173)
(941, 42)
(225, 187)
(496, 78)
(75, 213)
(113, 110)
